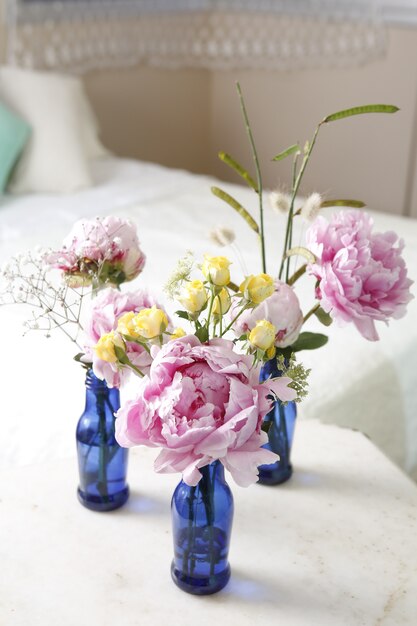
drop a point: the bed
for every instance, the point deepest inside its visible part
(367, 386)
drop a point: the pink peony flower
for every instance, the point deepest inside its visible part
(200, 403)
(362, 275)
(104, 250)
(282, 309)
(107, 308)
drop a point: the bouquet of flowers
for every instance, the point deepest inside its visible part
(201, 401)
(359, 275)
(96, 258)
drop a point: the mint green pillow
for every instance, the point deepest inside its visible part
(14, 133)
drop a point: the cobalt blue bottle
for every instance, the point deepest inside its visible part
(202, 522)
(280, 435)
(102, 462)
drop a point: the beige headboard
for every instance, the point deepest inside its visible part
(182, 118)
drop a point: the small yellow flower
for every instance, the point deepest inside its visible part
(178, 332)
(262, 336)
(257, 288)
(126, 325)
(216, 270)
(105, 347)
(193, 296)
(150, 323)
(222, 303)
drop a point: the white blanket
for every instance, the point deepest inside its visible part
(367, 386)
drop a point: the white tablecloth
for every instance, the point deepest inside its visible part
(335, 546)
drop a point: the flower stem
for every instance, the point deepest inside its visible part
(207, 494)
(258, 175)
(311, 312)
(102, 485)
(189, 567)
(221, 315)
(234, 320)
(296, 186)
(210, 310)
(301, 270)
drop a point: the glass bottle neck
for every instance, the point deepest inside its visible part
(211, 472)
(97, 390)
(270, 369)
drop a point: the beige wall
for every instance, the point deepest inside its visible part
(364, 157)
(182, 118)
(155, 115)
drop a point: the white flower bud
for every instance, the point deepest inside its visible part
(222, 236)
(279, 201)
(311, 207)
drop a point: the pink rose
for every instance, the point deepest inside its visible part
(362, 275)
(282, 309)
(200, 403)
(107, 308)
(103, 250)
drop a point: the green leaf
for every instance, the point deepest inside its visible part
(121, 355)
(309, 341)
(182, 314)
(285, 352)
(356, 204)
(78, 357)
(231, 162)
(287, 152)
(235, 205)
(265, 426)
(323, 317)
(202, 334)
(300, 251)
(367, 108)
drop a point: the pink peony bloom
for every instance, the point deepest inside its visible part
(103, 250)
(107, 308)
(362, 275)
(282, 309)
(200, 403)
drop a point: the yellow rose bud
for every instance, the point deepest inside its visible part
(126, 325)
(257, 288)
(263, 335)
(105, 347)
(150, 323)
(221, 303)
(178, 332)
(271, 352)
(216, 270)
(193, 296)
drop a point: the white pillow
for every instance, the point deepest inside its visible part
(64, 131)
(90, 127)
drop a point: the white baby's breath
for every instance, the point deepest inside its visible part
(25, 280)
(311, 207)
(180, 274)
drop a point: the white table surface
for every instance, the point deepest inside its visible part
(334, 546)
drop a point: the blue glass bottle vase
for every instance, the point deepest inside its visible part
(102, 462)
(202, 522)
(280, 435)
